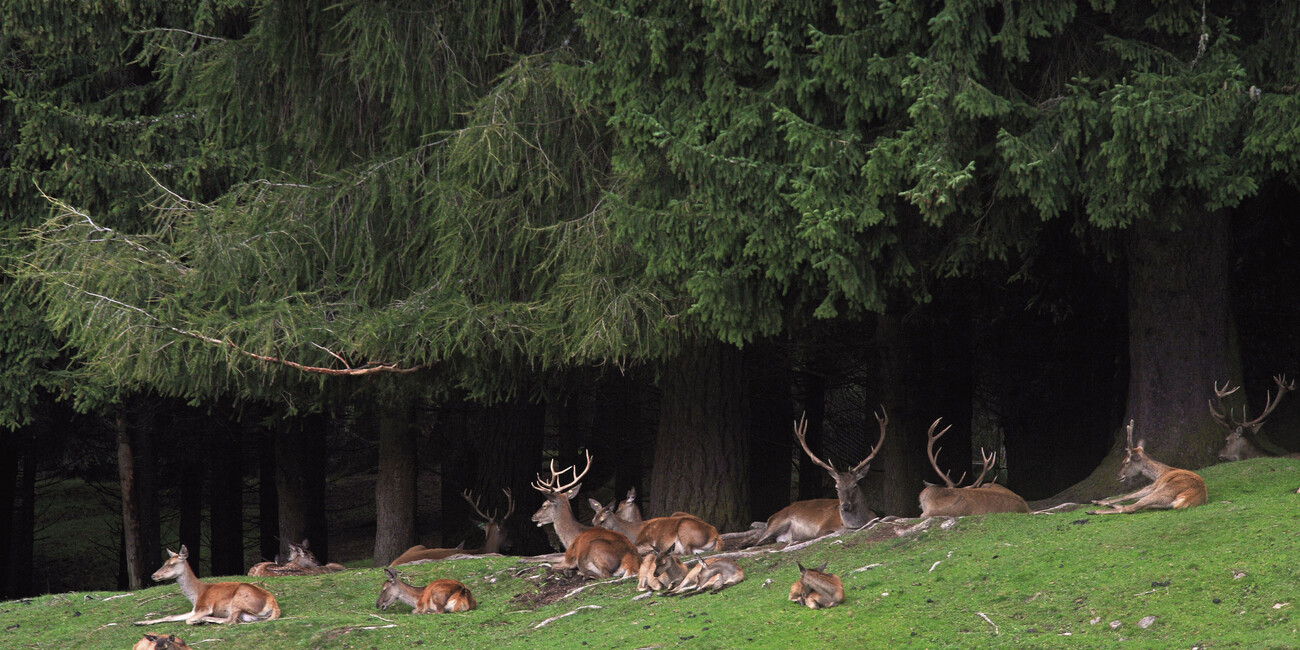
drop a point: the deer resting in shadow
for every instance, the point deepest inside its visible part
(494, 535)
(978, 498)
(1171, 488)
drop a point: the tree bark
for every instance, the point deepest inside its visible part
(395, 487)
(508, 447)
(24, 541)
(227, 512)
(10, 457)
(135, 570)
(300, 458)
(1180, 336)
(193, 478)
(701, 460)
(268, 493)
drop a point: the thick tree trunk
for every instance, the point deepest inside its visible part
(1180, 343)
(24, 541)
(135, 569)
(507, 447)
(1180, 336)
(701, 460)
(395, 487)
(770, 407)
(193, 475)
(620, 423)
(268, 494)
(144, 432)
(227, 512)
(300, 458)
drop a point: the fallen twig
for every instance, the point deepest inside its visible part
(990, 622)
(556, 618)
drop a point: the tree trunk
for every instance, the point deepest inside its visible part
(508, 447)
(300, 459)
(193, 471)
(144, 430)
(701, 460)
(1180, 343)
(24, 541)
(812, 479)
(135, 570)
(1179, 336)
(268, 493)
(227, 512)
(395, 487)
(10, 457)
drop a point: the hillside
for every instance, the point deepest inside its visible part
(1221, 575)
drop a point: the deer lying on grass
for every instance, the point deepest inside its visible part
(592, 552)
(218, 602)
(494, 535)
(160, 642)
(1171, 487)
(977, 498)
(813, 518)
(816, 588)
(660, 571)
(628, 510)
(437, 597)
(1242, 442)
(302, 562)
(714, 574)
(682, 533)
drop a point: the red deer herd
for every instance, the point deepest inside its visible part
(662, 553)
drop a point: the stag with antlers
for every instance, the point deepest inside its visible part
(1242, 442)
(494, 535)
(978, 498)
(592, 552)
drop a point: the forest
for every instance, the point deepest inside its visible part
(269, 266)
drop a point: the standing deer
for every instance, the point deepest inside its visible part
(682, 533)
(493, 531)
(593, 552)
(1171, 487)
(218, 602)
(437, 597)
(302, 562)
(160, 642)
(816, 588)
(813, 518)
(1242, 442)
(974, 499)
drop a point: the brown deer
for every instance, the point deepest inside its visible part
(628, 510)
(217, 602)
(660, 571)
(813, 518)
(437, 597)
(816, 588)
(592, 552)
(493, 531)
(1170, 488)
(1242, 442)
(682, 533)
(160, 642)
(714, 574)
(302, 562)
(977, 498)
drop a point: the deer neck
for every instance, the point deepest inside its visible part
(821, 583)
(628, 528)
(408, 594)
(493, 536)
(567, 526)
(190, 584)
(1152, 468)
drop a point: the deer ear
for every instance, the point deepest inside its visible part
(631, 495)
(800, 565)
(392, 574)
(595, 505)
(822, 568)
(185, 552)
(573, 492)
(304, 544)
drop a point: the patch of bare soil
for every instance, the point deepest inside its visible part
(549, 586)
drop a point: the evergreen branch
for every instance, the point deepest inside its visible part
(181, 31)
(370, 368)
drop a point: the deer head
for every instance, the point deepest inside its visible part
(852, 502)
(1241, 442)
(493, 531)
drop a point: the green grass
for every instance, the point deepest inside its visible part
(1222, 575)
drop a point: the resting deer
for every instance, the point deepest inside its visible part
(660, 571)
(813, 518)
(437, 597)
(681, 533)
(160, 642)
(493, 531)
(714, 574)
(816, 588)
(302, 562)
(218, 602)
(977, 498)
(1171, 488)
(628, 510)
(1242, 442)
(592, 552)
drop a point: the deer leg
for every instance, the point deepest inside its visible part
(1149, 502)
(1132, 495)
(166, 619)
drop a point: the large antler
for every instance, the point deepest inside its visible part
(990, 460)
(931, 437)
(1224, 415)
(801, 432)
(553, 486)
(474, 501)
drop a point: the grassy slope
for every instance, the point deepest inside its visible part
(1041, 580)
